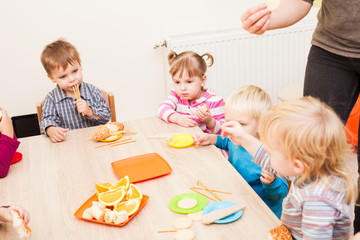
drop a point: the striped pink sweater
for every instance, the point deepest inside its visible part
(214, 102)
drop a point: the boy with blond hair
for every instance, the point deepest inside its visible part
(246, 106)
(61, 111)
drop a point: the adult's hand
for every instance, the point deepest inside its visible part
(256, 20)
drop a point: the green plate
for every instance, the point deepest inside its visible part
(201, 203)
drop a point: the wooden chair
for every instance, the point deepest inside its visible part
(109, 97)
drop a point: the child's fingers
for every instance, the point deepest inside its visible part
(265, 174)
(192, 116)
(262, 179)
(54, 139)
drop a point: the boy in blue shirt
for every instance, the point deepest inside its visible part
(246, 106)
(61, 111)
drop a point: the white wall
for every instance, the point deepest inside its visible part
(115, 39)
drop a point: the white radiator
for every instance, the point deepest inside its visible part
(269, 61)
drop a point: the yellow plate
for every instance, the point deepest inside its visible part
(112, 138)
(182, 141)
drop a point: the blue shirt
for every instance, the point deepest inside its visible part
(272, 194)
(58, 109)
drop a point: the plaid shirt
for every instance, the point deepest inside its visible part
(58, 109)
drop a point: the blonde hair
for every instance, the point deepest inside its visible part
(251, 100)
(191, 61)
(59, 54)
(310, 131)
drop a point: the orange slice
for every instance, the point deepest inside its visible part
(111, 198)
(124, 183)
(171, 140)
(130, 206)
(103, 187)
(133, 193)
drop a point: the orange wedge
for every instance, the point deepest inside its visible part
(123, 183)
(133, 193)
(130, 206)
(111, 198)
(103, 187)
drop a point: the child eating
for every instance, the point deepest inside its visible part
(60, 111)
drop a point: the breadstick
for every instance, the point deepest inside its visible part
(130, 133)
(130, 141)
(110, 143)
(220, 213)
(214, 190)
(208, 189)
(203, 194)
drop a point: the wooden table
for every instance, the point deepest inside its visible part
(54, 180)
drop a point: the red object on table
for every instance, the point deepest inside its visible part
(352, 124)
(17, 157)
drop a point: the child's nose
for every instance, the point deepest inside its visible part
(71, 78)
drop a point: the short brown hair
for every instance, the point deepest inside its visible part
(191, 61)
(59, 54)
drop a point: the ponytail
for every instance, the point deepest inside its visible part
(171, 57)
(209, 59)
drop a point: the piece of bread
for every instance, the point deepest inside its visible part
(101, 133)
(204, 107)
(115, 126)
(22, 229)
(279, 233)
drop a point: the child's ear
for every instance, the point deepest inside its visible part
(298, 166)
(51, 78)
(203, 80)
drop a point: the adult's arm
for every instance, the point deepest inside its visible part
(259, 19)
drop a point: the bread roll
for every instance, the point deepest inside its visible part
(22, 229)
(279, 233)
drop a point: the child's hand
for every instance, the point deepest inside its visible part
(266, 177)
(83, 107)
(6, 126)
(6, 216)
(183, 120)
(57, 134)
(203, 114)
(234, 131)
(203, 139)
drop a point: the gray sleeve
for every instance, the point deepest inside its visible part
(49, 115)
